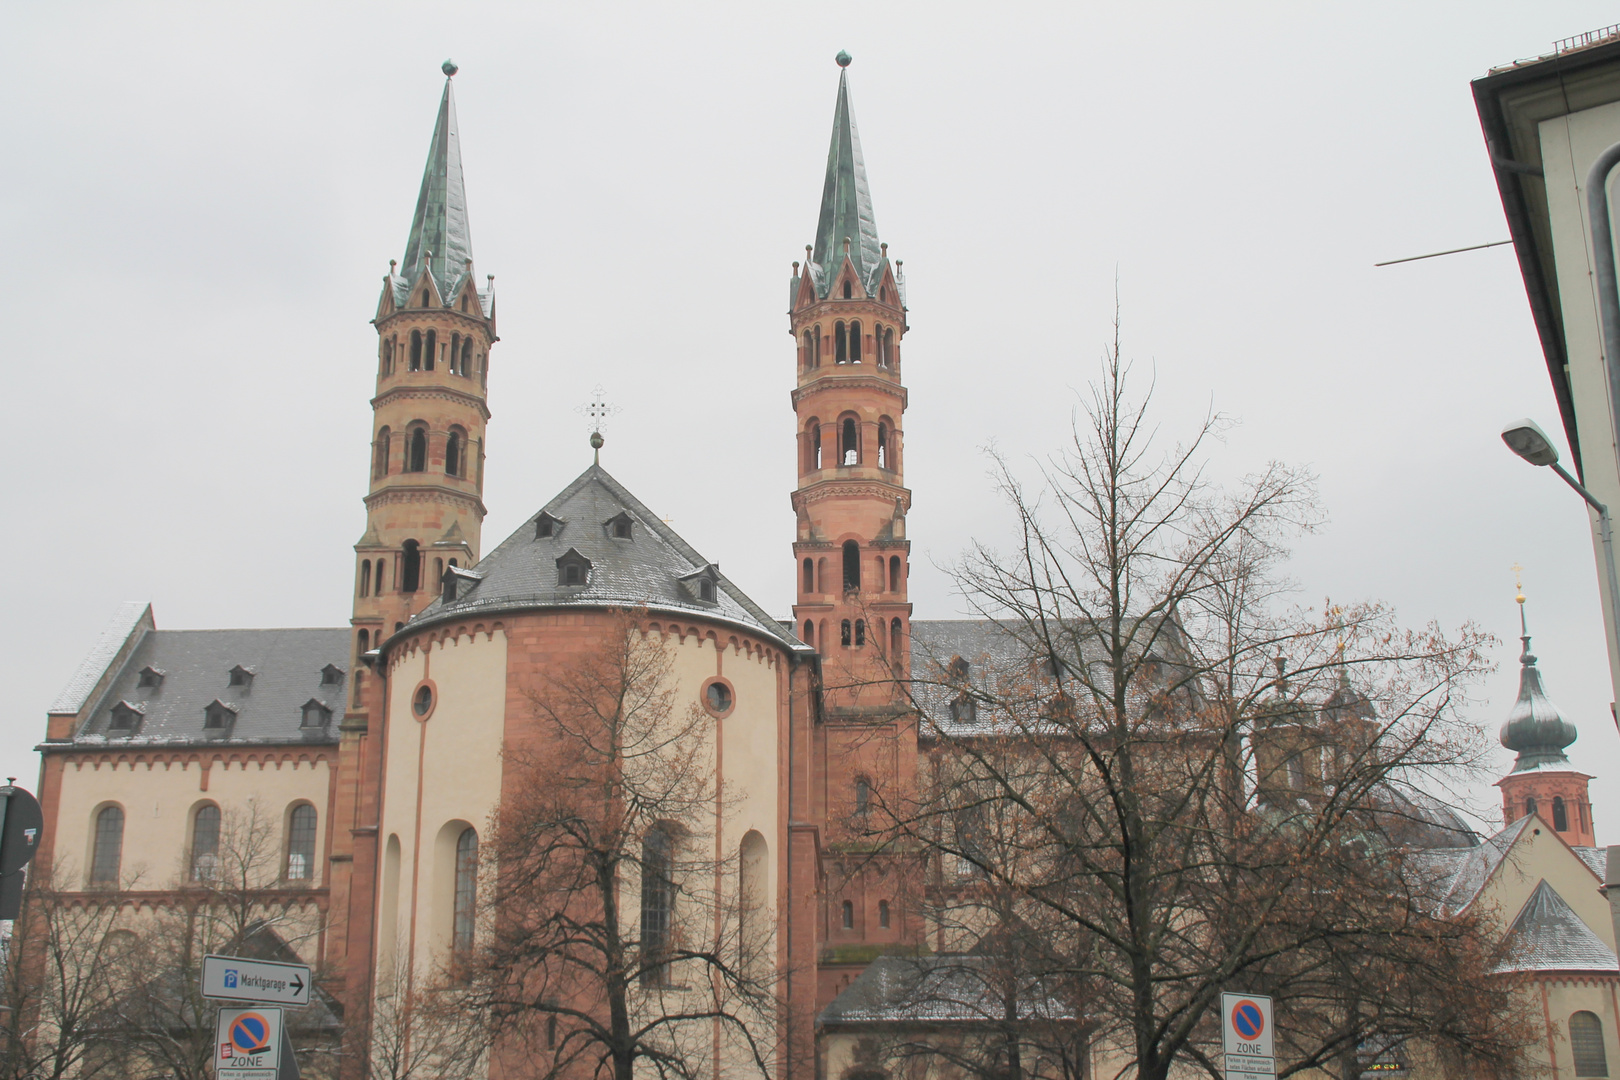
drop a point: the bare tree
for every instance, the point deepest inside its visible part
(613, 801)
(436, 1032)
(1132, 805)
(64, 968)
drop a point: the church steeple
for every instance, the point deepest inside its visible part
(435, 327)
(1543, 782)
(440, 238)
(846, 202)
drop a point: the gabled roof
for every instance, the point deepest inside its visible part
(645, 570)
(196, 666)
(132, 620)
(1459, 874)
(937, 989)
(1547, 935)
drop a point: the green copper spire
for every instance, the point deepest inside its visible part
(440, 224)
(846, 201)
(1535, 730)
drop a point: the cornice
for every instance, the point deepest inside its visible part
(835, 308)
(434, 314)
(412, 493)
(837, 380)
(437, 390)
(852, 488)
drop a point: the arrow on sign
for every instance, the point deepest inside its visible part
(297, 984)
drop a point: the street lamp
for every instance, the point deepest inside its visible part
(1525, 438)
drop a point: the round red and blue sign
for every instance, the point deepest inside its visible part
(1248, 1021)
(250, 1033)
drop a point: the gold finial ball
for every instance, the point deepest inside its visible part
(843, 58)
(1519, 598)
(597, 440)
(449, 68)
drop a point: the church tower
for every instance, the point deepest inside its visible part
(424, 505)
(1543, 782)
(848, 315)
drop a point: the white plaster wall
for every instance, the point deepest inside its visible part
(158, 800)
(1569, 145)
(442, 771)
(1534, 858)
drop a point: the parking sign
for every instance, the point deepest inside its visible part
(1246, 1037)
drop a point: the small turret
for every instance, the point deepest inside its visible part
(1543, 782)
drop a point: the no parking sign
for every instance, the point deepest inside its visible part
(1246, 1037)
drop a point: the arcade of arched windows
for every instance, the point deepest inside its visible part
(855, 442)
(846, 342)
(426, 350)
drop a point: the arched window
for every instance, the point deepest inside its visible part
(387, 356)
(416, 350)
(424, 298)
(466, 354)
(455, 352)
(438, 571)
(894, 573)
(753, 904)
(463, 301)
(365, 577)
(410, 572)
(852, 566)
(301, 843)
(888, 347)
(885, 341)
(849, 452)
(466, 892)
(821, 574)
(817, 332)
(382, 575)
(109, 848)
(844, 633)
(860, 632)
(1529, 806)
(364, 642)
(848, 907)
(205, 843)
(878, 577)
(383, 442)
(883, 446)
(807, 360)
(452, 454)
(846, 289)
(809, 576)
(854, 342)
(657, 905)
(416, 461)
(432, 350)
(809, 633)
(840, 344)
(894, 638)
(483, 371)
(815, 445)
(1586, 1045)
(883, 914)
(1560, 815)
(863, 795)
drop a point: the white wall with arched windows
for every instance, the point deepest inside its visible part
(160, 801)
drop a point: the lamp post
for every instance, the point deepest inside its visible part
(1525, 438)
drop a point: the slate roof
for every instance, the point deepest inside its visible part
(934, 989)
(79, 688)
(196, 665)
(1596, 860)
(1547, 935)
(1458, 874)
(646, 570)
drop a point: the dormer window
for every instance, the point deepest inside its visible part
(151, 676)
(703, 585)
(547, 526)
(331, 675)
(457, 582)
(964, 710)
(619, 526)
(241, 676)
(573, 569)
(218, 716)
(124, 717)
(957, 670)
(316, 714)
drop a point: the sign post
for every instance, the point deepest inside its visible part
(1246, 1037)
(248, 1043)
(234, 978)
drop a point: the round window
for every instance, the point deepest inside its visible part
(719, 695)
(423, 700)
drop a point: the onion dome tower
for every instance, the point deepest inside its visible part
(1543, 782)
(435, 326)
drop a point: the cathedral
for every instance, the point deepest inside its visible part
(378, 752)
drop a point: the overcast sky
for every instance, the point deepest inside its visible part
(198, 203)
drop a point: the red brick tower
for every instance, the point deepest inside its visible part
(424, 510)
(848, 315)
